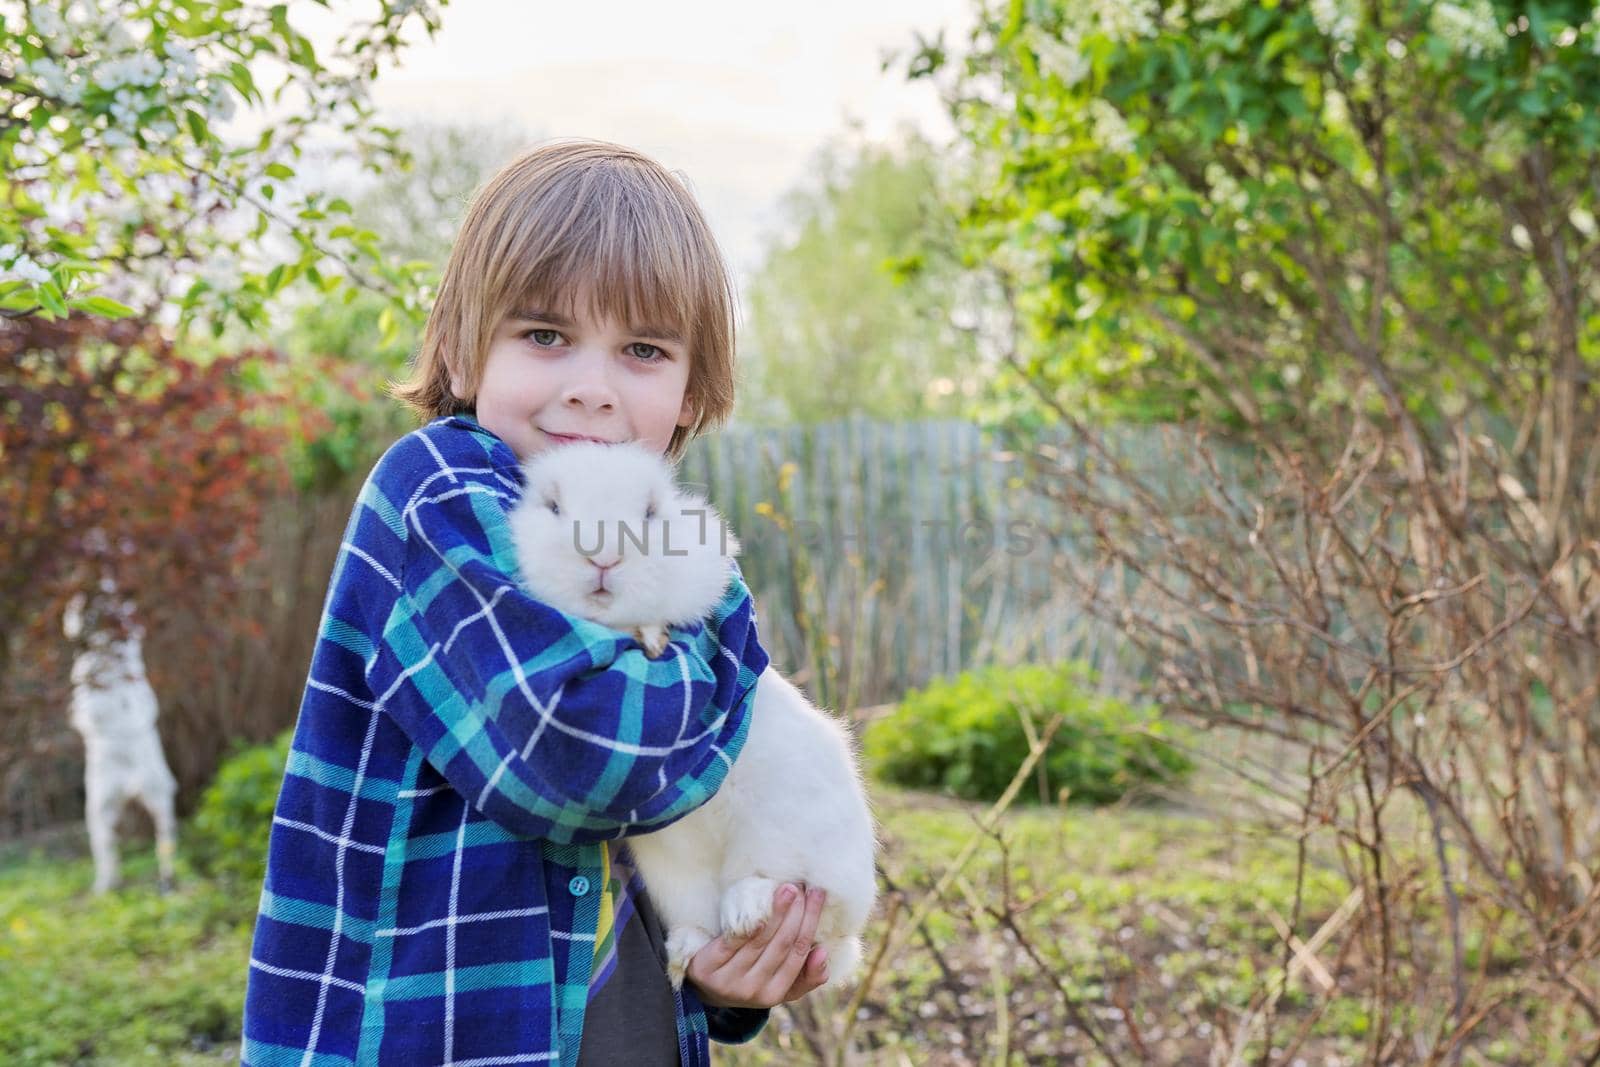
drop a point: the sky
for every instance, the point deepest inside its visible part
(739, 96)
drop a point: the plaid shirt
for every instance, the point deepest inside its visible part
(437, 865)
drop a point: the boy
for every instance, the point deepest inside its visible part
(445, 882)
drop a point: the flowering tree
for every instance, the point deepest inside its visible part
(121, 194)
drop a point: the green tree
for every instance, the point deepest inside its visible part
(864, 308)
(1261, 213)
(121, 194)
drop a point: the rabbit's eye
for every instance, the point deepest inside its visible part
(555, 509)
(649, 512)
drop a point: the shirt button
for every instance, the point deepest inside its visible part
(578, 886)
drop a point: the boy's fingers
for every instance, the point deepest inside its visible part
(785, 953)
(752, 948)
(815, 899)
(811, 976)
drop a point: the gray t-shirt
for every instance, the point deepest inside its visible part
(632, 1020)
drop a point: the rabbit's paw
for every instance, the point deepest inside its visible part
(746, 905)
(682, 943)
(654, 638)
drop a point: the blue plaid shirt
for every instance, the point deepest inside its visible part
(463, 752)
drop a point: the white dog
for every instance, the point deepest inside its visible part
(114, 708)
(603, 532)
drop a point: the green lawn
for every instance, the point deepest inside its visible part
(133, 978)
(1157, 917)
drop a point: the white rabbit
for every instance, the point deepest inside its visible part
(603, 532)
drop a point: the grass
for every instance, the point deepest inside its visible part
(1154, 917)
(133, 978)
(1155, 922)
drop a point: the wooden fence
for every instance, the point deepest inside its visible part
(901, 552)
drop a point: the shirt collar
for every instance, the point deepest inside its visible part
(500, 453)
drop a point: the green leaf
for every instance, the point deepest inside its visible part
(50, 299)
(1233, 95)
(105, 307)
(198, 127)
(280, 171)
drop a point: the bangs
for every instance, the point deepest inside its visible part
(619, 252)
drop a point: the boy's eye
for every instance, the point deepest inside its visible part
(645, 353)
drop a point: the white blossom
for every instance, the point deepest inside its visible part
(1061, 57)
(47, 20)
(84, 13)
(220, 269)
(1224, 189)
(1469, 27)
(1049, 222)
(125, 108)
(1335, 19)
(116, 139)
(29, 271)
(129, 70)
(1122, 19)
(118, 39)
(182, 64)
(1100, 206)
(219, 100)
(48, 75)
(1110, 128)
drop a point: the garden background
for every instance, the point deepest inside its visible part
(1179, 469)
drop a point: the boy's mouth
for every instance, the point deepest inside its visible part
(575, 437)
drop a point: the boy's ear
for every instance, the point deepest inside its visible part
(686, 413)
(457, 382)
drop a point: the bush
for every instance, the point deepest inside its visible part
(965, 736)
(230, 828)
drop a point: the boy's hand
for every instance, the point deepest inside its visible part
(776, 964)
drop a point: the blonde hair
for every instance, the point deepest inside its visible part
(577, 216)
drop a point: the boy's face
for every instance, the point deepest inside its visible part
(552, 373)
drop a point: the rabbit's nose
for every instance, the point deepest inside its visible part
(603, 567)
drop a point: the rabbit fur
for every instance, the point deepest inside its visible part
(793, 807)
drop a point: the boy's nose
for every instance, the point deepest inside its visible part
(590, 385)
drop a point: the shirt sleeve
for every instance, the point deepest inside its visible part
(551, 725)
(727, 1026)
(735, 1026)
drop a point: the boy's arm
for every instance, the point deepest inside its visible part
(551, 725)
